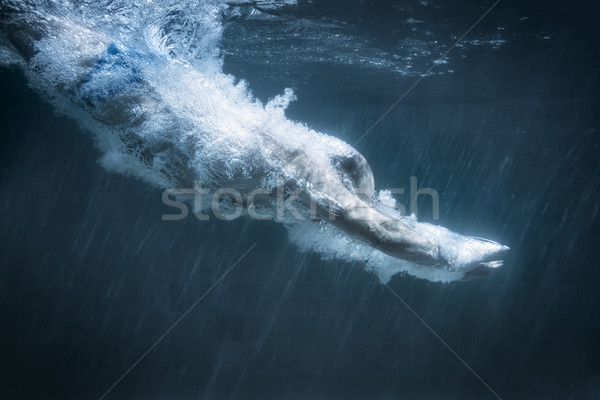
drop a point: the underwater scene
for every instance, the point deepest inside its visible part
(299, 199)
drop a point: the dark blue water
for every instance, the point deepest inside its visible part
(90, 277)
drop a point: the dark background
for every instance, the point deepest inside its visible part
(90, 276)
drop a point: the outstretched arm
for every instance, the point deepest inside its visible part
(389, 235)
